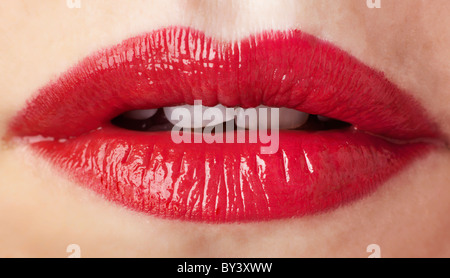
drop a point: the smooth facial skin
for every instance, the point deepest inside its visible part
(41, 212)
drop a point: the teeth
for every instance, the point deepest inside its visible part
(140, 114)
(198, 116)
(292, 119)
(178, 115)
(248, 118)
(288, 118)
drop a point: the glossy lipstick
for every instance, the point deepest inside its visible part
(312, 171)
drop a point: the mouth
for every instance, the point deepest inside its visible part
(344, 128)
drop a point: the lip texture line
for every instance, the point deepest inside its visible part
(311, 172)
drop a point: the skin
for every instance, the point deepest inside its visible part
(41, 212)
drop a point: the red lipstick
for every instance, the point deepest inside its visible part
(313, 171)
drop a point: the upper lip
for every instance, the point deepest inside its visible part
(174, 66)
(163, 68)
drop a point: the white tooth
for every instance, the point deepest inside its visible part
(292, 119)
(140, 114)
(250, 118)
(227, 114)
(246, 118)
(191, 116)
(288, 118)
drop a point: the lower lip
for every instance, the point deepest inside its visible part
(312, 172)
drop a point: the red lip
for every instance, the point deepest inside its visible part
(311, 172)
